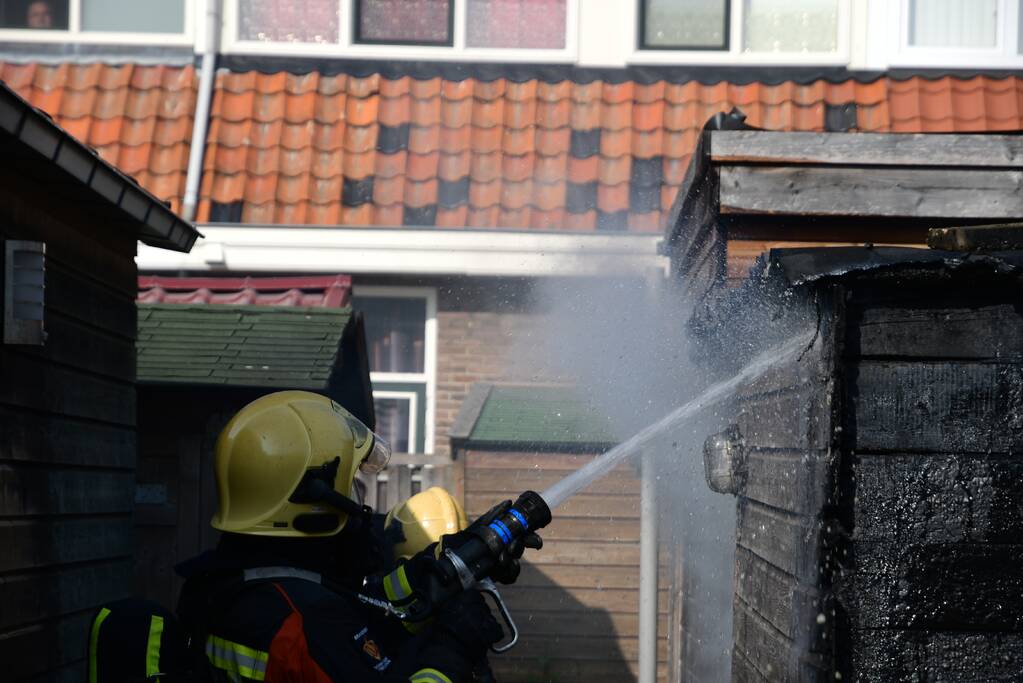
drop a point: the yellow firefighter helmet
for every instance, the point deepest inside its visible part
(285, 464)
(423, 519)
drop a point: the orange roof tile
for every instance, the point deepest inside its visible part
(487, 153)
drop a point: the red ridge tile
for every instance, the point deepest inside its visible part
(647, 117)
(294, 162)
(616, 93)
(326, 191)
(520, 114)
(456, 113)
(488, 91)
(488, 114)
(521, 92)
(292, 189)
(554, 92)
(302, 84)
(297, 135)
(135, 132)
(262, 160)
(650, 93)
(271, 84)
(647, 145)
(553, 142)
(585, 93)
(363, 87)
(327, 164)
(232, 106)
(586, 115)
(19, 76)
(554, 114)
(327, 138)
(77, 103)
(518, 141)
(615, 143)
(236, 82)
(330, 109)
(105, 131)
(333, 85)
(299, 108)
(486, 139)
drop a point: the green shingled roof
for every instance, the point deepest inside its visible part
(270, 346)
(538, 417)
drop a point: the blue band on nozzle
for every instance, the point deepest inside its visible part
(522, 518)
(502, 531)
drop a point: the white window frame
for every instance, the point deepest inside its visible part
(413, 414)
(429, 376)
(75, 34)
(735, 54)
(1005, 53)
(346, 46)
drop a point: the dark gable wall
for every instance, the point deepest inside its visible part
(67, 435)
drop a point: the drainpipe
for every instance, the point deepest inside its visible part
(202, 110)
(648, 573)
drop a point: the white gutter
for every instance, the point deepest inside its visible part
(409, 251)
(202, 111)
(648, 573)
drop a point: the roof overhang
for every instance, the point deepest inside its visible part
(88, 175)
(413, 251)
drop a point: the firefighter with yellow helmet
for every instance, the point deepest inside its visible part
(279, 599)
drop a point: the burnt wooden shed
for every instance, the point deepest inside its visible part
(69, 224)
(207, 347)
(878, 509)
(577, 601)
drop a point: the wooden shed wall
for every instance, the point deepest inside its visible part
(786, 420)
(931, 483)
(67, 440)
(577, 601)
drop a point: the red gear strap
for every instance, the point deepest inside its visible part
(290, 661)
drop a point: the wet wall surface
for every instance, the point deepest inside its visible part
(929, 563)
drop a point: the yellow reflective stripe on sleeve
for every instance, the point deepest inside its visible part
(429, 676)
(93, 642)
(237, 658)
(396, 585)
(153, 646)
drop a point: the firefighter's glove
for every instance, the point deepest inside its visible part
(506, 569)
(466, 619)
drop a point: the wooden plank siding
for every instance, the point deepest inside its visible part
(778, 592)
(932, 441)
(577, 601)
(67, 440)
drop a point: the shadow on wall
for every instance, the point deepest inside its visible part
(569, 635)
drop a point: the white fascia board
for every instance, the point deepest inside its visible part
(409, 251)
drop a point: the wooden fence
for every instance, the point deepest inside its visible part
(406, 475)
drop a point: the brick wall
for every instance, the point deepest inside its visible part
(479, 346)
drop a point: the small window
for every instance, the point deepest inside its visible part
(395, 333)
(142, 16)
(953, 23)
(684, 24)
(38, 15)
(394, 421)
(530, 24)
(289, 21)
(790, 26)
(405, 22)
(24, 292)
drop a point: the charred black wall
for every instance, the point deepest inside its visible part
(931, 479)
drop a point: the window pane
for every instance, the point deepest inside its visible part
(395, 333)
(953, 23)
(288, 21)
(393, 422)
(685, 23)
(34, 14)
(147, 16)
(790, 26)
(516, 23)
(404, 21)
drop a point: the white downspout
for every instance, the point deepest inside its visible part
(202, 110)
(648, 573)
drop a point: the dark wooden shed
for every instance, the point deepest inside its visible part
(198, 364)
(69, 224)
(877, 474)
